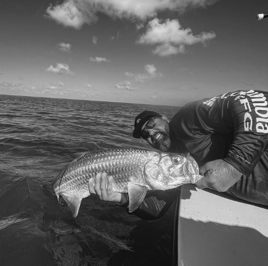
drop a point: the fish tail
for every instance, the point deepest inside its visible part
(58, 196)
(73, 203)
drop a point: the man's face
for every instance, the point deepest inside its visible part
(156, 133)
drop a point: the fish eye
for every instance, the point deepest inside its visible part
(175, 160)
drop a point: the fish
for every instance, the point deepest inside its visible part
(133, 171)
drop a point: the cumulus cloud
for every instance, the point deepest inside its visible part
(71, 14)
(150, 69)
(60, 69)
(65, 47)
(99, 59)
(53, 87)
(95, 40)
(129, 74)
(8, 85)
(125, 85)
(170, 37)
(139, 26)
(167, 49)
(117, 36)
(150, 72)
(75, 13)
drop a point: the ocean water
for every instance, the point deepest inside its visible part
(38, 138)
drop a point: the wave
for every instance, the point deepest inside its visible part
(39, 136)
(10, 220)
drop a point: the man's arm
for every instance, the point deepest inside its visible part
(218, 175)
(153, 206)
(240, 113)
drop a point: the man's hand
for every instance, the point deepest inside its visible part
(218, 175)
(102, 186)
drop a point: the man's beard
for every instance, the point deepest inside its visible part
(163, 144)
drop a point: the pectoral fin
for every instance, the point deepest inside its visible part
(73, 203)
(136, 194)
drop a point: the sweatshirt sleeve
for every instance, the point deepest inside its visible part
(156, 204)
(249, 114)
(231, 126)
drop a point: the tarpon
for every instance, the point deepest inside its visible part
(133, 171)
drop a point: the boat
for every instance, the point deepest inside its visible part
(214, 229)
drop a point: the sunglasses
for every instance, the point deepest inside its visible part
(148, 126)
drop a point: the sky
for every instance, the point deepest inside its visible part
(161, 52)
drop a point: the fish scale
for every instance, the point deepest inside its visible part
(133, 171)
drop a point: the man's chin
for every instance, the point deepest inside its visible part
(163, 146)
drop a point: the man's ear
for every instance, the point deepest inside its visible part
(165, 118)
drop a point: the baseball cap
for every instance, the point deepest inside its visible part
(141, 119)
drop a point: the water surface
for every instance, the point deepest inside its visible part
(38, 138)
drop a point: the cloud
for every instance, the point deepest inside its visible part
(170, 37)
(139, 26)
(99, 59)
(150, 69)
(167, 49)
(75, 13)
(52, 87)
(117, 36)
(95, 40)
(71, 14)
(12, 86)
(125, 85)
(129, 74)
(60, 69)
(150, 72)
(65, 47)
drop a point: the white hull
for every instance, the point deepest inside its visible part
(215, 230)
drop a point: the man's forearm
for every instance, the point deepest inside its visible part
(218, 175)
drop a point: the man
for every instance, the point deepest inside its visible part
(227, 135)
